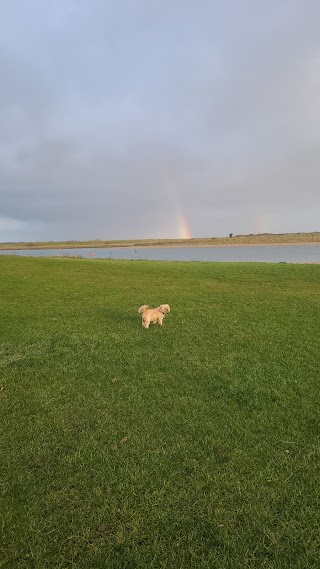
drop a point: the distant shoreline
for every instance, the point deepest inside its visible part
(263, 240)
(180, 246)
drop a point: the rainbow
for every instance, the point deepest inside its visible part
(172, 194)
(184, 229)
(260, 223)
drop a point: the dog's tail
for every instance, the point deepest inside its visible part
(143, 308)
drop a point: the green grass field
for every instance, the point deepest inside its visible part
(191, 445)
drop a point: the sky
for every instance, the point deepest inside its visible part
(128, 119)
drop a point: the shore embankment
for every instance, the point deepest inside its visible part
(234, 241)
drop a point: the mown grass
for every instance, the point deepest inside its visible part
(191, 445)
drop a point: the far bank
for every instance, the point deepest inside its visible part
(231, 241)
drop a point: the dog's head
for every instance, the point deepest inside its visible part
(165, 308)
(143, 308)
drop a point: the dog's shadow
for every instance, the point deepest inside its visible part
(119, 316)
(123, 317)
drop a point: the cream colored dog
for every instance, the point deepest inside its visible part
(154, 315)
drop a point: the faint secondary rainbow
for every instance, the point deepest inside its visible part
(184, 229)
(260, 223)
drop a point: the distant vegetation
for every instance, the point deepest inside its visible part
(231, 240)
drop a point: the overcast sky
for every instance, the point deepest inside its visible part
(135, 118)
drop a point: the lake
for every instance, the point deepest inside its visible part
(309, 253)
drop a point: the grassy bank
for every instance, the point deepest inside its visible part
(258, 239)
(191, 445)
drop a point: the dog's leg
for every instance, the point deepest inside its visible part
(145, 322)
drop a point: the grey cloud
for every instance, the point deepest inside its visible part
(111, 117)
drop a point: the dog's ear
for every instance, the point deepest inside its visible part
(143, 308)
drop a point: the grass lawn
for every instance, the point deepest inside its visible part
(191, 445)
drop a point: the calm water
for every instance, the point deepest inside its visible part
(261, 254)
